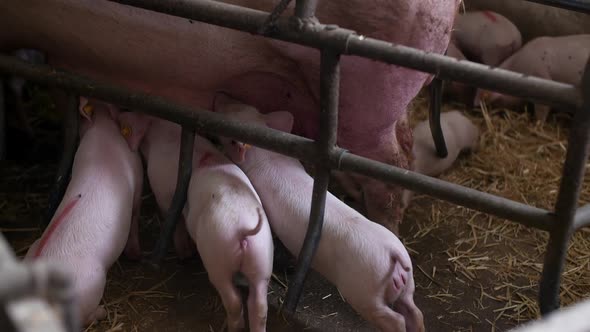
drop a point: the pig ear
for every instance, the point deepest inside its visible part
(133, 127)
(221, 100)
(86, 109)
(281, 120)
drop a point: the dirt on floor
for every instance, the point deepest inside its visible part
(473, 272)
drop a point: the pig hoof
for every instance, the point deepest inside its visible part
(99, 314)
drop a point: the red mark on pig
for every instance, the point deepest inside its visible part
(54, 226)
(206, 159)
(490, 16)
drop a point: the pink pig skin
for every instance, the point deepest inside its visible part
(353, 251)
(101, 206)
(159, 142)
(486, 37)
(226, 220)
(562, 59)
(109, 38)
(460, 135)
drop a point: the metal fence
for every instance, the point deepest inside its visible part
(333, 42)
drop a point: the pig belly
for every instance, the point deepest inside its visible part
(173, 65)
(536, 20)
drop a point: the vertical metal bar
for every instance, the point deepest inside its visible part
(329, 94)
(185, 168)
(2, 122)
(70, 125)
(434, 117)
(567, 201)
(305, 8)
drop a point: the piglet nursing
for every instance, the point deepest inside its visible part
(367, 262)
(159, 142)
(225, 218)
(99, 211)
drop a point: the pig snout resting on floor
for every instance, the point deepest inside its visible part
(367, 262)
(99, 211)
(159, 142)
(561, 59)
(225, 218)
(486, 37)
(460, 134)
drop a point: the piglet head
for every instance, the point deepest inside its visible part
(236, 150)
(91, 109)
(134, 126)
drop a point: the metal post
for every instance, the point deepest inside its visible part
(567, 201)
(435, 90)
(70, 127)
(305, 8)
(2, 122)
(185, 168)
(329, 93)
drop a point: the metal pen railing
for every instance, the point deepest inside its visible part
(333, 42)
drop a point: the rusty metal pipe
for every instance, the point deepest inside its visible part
(174, 213)
(329, 93)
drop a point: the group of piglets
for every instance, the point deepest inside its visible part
(237, 195)
(491, 39)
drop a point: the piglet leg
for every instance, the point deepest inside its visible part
(133, 247)
(388, 320)
(258, 306)
(541, 112)
(233, 304)
(183, 244)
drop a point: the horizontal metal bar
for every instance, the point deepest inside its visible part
(575, 5)
(347, 42)
(582, 218)
(277, 141)
(457, 194)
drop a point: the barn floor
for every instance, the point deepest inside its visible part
(473, 272)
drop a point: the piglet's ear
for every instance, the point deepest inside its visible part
(281, 120)
(221, 100)
(86, 109)
(133, 127)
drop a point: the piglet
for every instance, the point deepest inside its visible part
(562, 59)
(486, 37)
(224, 216)
(159, 142)
(367, 262)
(460, 134)
(99, 211)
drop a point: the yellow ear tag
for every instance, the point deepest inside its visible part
(247, 146)
(126, 130)
(88, 110)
